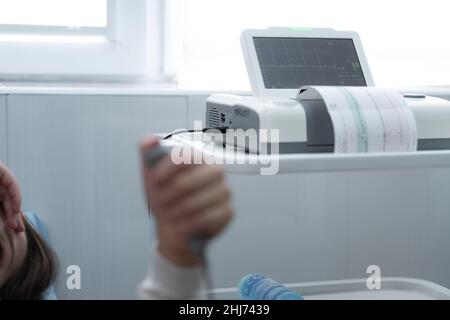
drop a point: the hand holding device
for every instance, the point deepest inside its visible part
(190, 203)
(197, 243)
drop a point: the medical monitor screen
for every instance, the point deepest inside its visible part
(289, 63)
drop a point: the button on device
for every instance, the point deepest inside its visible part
(414, 95)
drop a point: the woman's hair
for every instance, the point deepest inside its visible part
(36, 273)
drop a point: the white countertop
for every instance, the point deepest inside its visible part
(237, 161)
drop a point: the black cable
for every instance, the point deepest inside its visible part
(198, 245)
(221, 129)
(208, 277)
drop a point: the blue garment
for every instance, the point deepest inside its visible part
(43, 232)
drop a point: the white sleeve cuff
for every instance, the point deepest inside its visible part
(167, 281)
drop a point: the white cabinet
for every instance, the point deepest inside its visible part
(329, 217)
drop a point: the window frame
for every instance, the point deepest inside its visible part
(51, 30)
(117, 52)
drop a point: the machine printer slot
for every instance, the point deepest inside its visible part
(319, 127)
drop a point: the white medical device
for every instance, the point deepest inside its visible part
(280, 61)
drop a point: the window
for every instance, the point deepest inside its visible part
(69, 14)
(406, 43)
(74, 39)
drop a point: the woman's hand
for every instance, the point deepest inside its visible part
(11, 199)
(186, 200)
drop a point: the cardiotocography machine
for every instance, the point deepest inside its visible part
(315, 87)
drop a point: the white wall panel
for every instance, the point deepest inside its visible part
(3, 124)
(76, 158)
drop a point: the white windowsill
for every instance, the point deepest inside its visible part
(39, 88)
(105, 89)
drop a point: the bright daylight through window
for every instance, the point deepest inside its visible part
(404, 41)
(71, 13)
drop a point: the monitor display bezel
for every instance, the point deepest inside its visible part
(252, 62)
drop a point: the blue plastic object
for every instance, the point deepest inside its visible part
(259, 287)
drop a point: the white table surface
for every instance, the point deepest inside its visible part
(324, 162)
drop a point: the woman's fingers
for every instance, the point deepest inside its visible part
(162, 172)
(10, 197)
(209, 222)
(9, 182)
(165, 170)
(16, 196)
(209, 196)
(11, 216)
(20, 222)
(192, 180)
